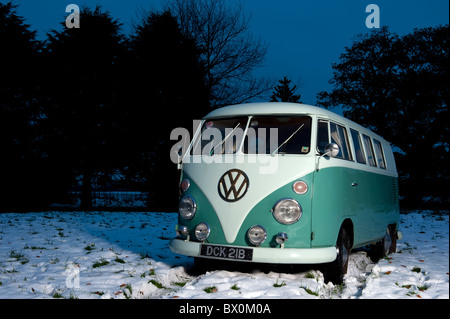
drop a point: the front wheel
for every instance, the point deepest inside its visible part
(336, 270)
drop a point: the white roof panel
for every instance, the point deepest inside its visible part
(279, 108)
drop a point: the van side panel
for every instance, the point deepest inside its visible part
(366, 198)
(330, 204)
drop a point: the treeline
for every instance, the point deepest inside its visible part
(398, 86)
(94, 106)
(90, 104)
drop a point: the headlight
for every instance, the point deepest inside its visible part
(257, 235)
(187, 207)
(287, 211)
(202, 231)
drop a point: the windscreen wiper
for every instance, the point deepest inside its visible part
(287, 140)
(223, 141)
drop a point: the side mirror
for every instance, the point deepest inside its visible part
(331, 150)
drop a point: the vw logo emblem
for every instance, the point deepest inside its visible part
(233, 185)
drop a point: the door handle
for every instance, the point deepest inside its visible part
(354, 184)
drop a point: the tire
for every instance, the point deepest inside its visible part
(393, 234)
(334, 272)
(384, 247)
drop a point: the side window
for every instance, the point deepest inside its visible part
(357, 144)
(369, 150)
(379, 154)
(339, 136)
(322, 136)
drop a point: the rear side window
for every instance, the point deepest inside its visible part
(357, 144)
(379, 154)
(369, 150)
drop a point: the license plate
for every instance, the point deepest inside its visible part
(226, 252)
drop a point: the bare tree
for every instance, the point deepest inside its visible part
(229, 52)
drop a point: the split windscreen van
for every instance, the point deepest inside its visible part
(286, 183)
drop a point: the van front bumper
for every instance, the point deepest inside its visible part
(264, 255)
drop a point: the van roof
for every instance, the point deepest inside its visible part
(279, 108)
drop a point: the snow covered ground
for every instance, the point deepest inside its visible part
(126, 255)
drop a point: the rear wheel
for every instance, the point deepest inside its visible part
(386, 246)
(336, 270)
(393, 235)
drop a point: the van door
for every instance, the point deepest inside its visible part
(366, 221)
(335, 187)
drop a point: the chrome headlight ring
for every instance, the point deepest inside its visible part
(187, 207)
(287, 211)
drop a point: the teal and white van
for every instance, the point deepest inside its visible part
(286, 183)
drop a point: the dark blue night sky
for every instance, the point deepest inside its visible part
(304, 37)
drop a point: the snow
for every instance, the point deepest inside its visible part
(90, 255)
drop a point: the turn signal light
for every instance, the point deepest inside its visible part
(300, 187)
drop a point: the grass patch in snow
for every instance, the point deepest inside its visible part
(277, 285)
(57, 295)
(235, 287)
(100, 263)
(183, 283)
(89, 248)
(416, 269)
(157, 284)
(18, 257)
(309, 291)
(422, 288)
(210, 290)
(119, 260)
(125, 293)
(151, 272)
(310, 275)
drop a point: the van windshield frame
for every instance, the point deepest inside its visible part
(255, 134)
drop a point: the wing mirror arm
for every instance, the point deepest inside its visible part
(179, 153)
(331, 150)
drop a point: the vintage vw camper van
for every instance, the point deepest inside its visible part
(286, 183)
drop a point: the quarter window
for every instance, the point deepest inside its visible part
(369, 150)
(357, 144)
(379, 154)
